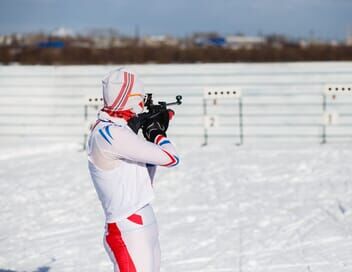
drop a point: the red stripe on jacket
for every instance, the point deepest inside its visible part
(127, 93)
(173, 160)
(122, 90)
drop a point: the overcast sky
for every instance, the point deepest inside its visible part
(327, 19)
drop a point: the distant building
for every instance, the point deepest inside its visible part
(11, 40)
(51, 44)
(210, 41)
(159, 40)
(316, 42)
(62, 32)
(34, 39)
(81, 43)
(244, 42)
(349, 40)
(334, 43)
(204, 39)
(303, 43)
(109, 42)
(6, 40)
(101, 42)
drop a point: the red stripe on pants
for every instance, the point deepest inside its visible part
(136, 218)
(119, 249)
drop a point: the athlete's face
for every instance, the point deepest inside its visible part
(136, 102)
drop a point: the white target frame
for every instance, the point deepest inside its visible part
(93, 101)
(220, 93)
(224, 92)
(338, 89)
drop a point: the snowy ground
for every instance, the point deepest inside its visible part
(225, 208)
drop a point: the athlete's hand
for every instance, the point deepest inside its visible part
(157, 125)
(153, 129)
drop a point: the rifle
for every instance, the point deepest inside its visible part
(137, 122)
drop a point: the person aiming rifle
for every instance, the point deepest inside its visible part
(122, 166)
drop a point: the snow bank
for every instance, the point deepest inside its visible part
(225, 208)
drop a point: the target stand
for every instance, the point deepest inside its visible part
(214, 96)
(331, 117)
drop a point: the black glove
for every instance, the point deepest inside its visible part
(163, 118)
(157, 125)
(152, 130)
(135, 124)
(141, 120)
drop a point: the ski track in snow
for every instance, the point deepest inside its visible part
(225, 208)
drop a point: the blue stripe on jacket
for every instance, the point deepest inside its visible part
(104, 136)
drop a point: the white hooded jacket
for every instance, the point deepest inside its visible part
(122, 165)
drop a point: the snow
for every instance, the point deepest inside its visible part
(225, 208)
(264, 206)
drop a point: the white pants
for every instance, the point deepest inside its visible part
(133, 243)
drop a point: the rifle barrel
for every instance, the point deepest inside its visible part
(173, 103)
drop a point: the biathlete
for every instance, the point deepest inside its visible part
(122, 165)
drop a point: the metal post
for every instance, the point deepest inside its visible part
(85, 136)
(323, 140)
(85, 112)
(205, 128)
(240, 106)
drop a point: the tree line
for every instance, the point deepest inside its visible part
(171, 54)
